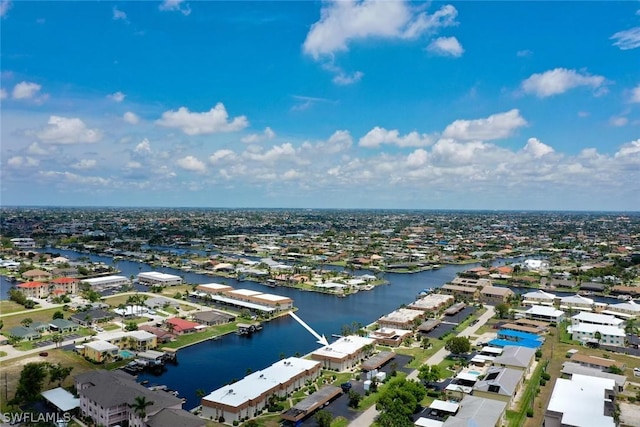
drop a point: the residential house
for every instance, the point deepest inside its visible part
(478, 412)
(99, 351)
(581, 401)
(595, 362)
(63, 325)
(37, 290)
(539, 298)
(571, 368)
(494, 295)
(499, 383)
(344, 353)
(64, 285)
(154, 278)
(90, 317)
(545, 314)
(180, 326)
(24, 333)
(36, 275)
(213, 317)
(109, 397)
(403, 318)
(465, 293)
(516, 357)
(391, 336)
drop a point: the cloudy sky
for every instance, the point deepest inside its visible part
(349, 104)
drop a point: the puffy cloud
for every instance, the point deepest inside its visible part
(5, 5)
(449, 151)
(131, 118)
(627, 39)
(630, 149)
(496, 126)
(342, 22)
(222, 155)
(117, 97)
(446, 46)
(417, 158)
(72, 178)
(134, 165)
(378, 136)
(22, 162)
(537, 148)
(175, 5)
(618, 121)
(559, 80)
(25, 90)
(253, 138)
(63, 130)
(191, 163)
(84, 164)
(213, 121)
(346, 79)
(36, 149)
(144, 147)
(119, 15)
(635, 94)
(276, 153)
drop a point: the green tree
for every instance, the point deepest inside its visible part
(131, 326)
(59, 373)
(598, 336)
(140, 405)
(458, 345)
(26, 322)
(57, 339)
(31, 381)
(502, 310)
(1, 324)
(429, 374)
(630, 327)
(58, 315)
(323, 418)
(354, 398)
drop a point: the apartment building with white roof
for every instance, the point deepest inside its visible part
(344, 353)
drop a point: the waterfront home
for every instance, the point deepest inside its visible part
(516, 357)
(539, 298)
(596, 397)
(99, 351)
(403, 318)
(180, 326)
(626, 290)
(471, 282)
(576, 302)
(160, 302)
(479, 412)
(248, 397)
(499, 383)
(432, 303)
(105, 282)
(390, 336)
(109, 397)
(169, 417)
(466, 293)
(162, 336)
(345, 353)
(213, 317)
(625, 310)
(545, 314)
(214, 288)
(33, 289)
(508, 337)
(36, 275)
(494, 295)
(64, 285)
(154, 278)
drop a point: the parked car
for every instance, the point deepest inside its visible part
(346, 387)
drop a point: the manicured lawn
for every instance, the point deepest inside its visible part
(210, 332)
(37, 315)
(8, 307)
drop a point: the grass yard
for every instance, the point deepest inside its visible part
(37, 315)
(210, 332)
(8, 307)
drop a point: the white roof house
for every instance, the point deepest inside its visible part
(107, 281)
(540, 312)
(344, 346)
(254, 385)
(580, 401)
(577, 301)
(101, 346)
(626, 309)
(538, 297)
(157, 278)
(596, 319)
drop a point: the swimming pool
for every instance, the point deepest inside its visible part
(126, 354)
(474, 372)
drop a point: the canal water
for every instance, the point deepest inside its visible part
(211, 364)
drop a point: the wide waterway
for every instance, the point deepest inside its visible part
(213, 363)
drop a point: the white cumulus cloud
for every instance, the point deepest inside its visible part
(144, 147)
(345, 79)
(175, 5)
(63, 130)
(630, 149)
(131, 118)
(496, 126)
(537, 148)
(117, 97)
(212, 121)
(191, 163)
(84, 164)
(379, 135)
(253, 138)
(119, 15)
(221, 155)
(417, 158)
(22, 162)
(342, 22)
(446, 46)
(559, 80)
(627, 39)
(25, 90)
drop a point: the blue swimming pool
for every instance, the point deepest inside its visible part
(474, 372)
(126, 354)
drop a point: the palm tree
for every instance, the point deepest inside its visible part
(57, 339)
(140, 405)
(631, 327)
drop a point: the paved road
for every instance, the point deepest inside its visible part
(368, 417)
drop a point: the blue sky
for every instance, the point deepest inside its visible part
(350, 104)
